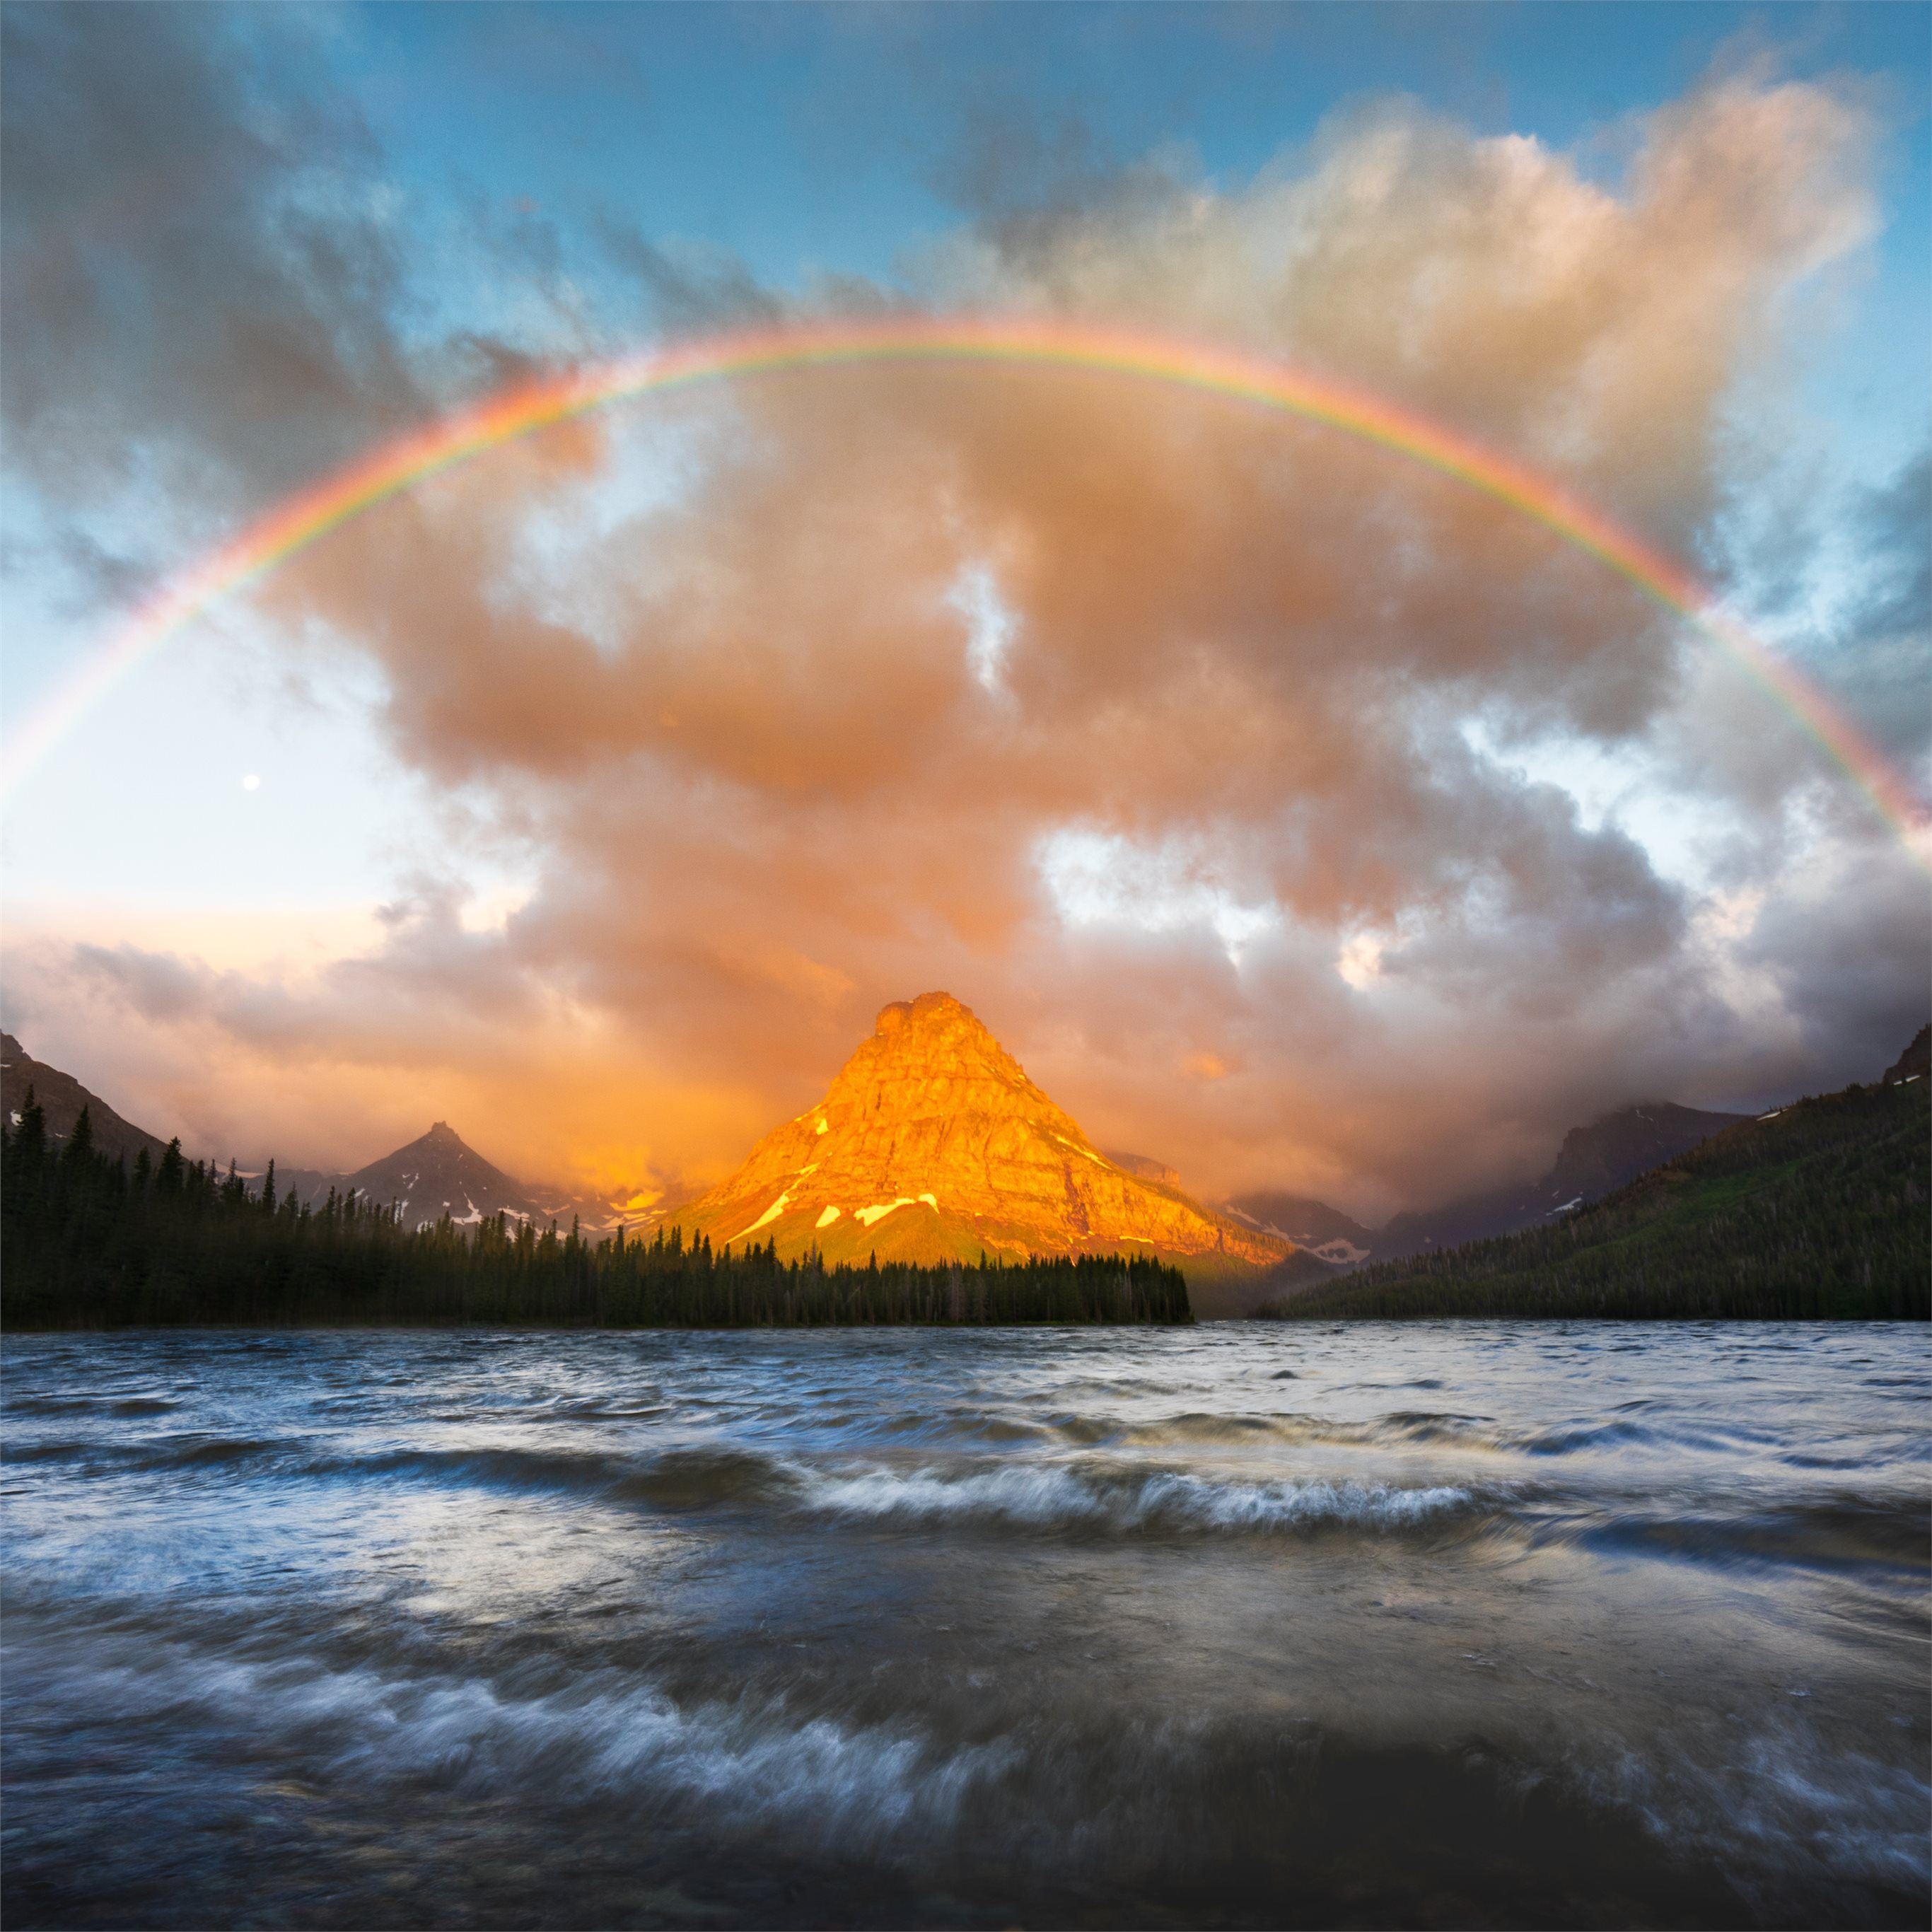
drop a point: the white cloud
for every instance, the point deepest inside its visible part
(1098, 878)
(991, 625)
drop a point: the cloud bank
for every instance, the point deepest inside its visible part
(1213, 759)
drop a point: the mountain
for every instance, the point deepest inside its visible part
(437, 1172)
(1145, 1165)
(61, 1097)
(1323, 1230)
(440, 1174)
(932, 1143)
(1818, 1210)
(1915, 1063)
(1591, 1162)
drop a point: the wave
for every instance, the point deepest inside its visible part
(1671, 1825)
(1105, 1497)
(581, 1738)
(91, 1405)
(1209, 1429)
(1584, 1437)
(1397, 1428)
(196, 1449)
(1846, 1534)
(1057, 1496)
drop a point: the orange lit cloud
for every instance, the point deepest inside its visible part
(811, 728)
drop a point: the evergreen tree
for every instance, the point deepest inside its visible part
(79, 1151)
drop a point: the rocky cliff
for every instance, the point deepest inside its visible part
(932, 1143)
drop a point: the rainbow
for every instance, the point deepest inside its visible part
(525, 408)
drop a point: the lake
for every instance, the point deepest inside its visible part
(1454, 1624)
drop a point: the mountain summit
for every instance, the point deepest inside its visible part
(932, 1144)
(440, 1173)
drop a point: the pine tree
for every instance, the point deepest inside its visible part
(29, 1147)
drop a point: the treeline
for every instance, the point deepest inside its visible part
(1821, 1213)
(86, 1243)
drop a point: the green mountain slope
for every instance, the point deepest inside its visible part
(1819, 1211)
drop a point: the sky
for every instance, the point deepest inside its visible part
(1298, 817)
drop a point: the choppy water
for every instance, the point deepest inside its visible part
(1447, 1625)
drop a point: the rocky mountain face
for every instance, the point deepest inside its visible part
(61, 1097)
(1145, 1165)
(933, 1143)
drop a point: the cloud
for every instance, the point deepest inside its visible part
(690, 287)
(812, 715)
(194, 265)
(1884, 640)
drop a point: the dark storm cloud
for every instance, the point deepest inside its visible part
(1880, 657)
(195, 267)
(1855, 1007)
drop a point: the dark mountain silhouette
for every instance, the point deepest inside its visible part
(441, 1174)
(436, 1172)
(1915, 1063)
(61, 1097)
(1592, 1162)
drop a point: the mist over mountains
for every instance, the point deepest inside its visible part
(1592, 1162)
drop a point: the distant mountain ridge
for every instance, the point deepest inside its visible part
(1915, 1063)
(1815, 1210)
(1592, 1162)
(438, 1174)
(1323, 1231)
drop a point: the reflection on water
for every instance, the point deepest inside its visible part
(1446, 1625)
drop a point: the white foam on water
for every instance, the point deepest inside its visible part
(601, 1734)
(1049, 1495)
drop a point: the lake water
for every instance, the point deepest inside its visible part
(1444, 1625)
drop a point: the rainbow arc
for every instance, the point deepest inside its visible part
(306, 517)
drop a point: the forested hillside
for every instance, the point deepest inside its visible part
(1818, 1211)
